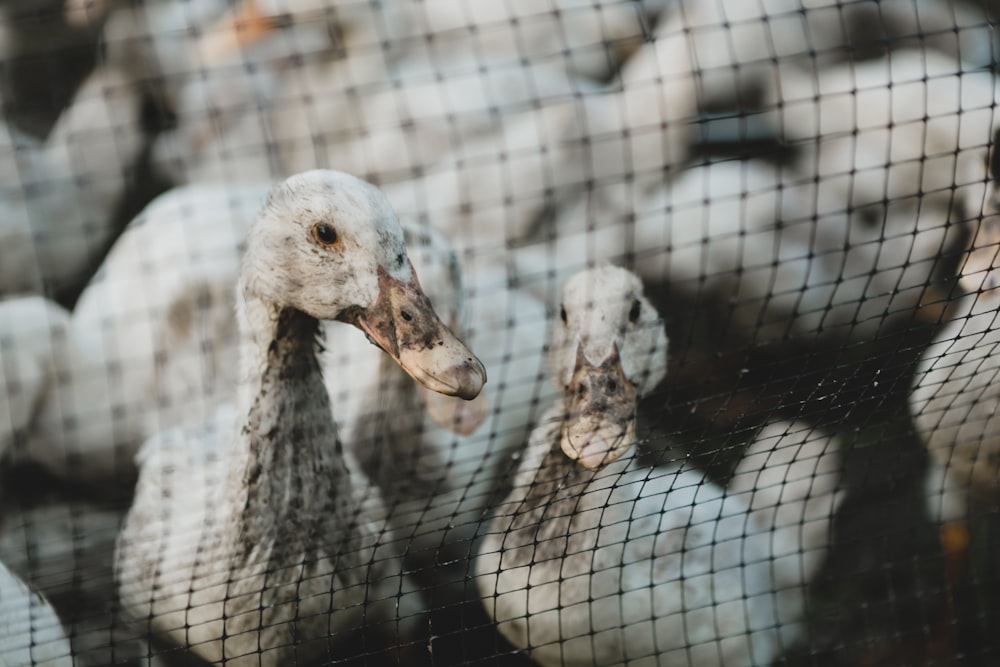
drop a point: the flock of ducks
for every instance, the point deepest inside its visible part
(498, 195)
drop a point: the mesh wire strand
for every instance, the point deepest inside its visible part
(802, 194)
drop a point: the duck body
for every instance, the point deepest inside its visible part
(625, 566)
(30, 630)
(952, 399)
(439, 484)
(954, 405)
(594, 558)
(252, 538)
(60, 194)
(151, 343)
(226, 598)
(61, 546)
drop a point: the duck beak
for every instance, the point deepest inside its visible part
(600, 412)
(403, 323)
(458, 416)
(236, 29)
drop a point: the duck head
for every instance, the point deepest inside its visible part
(330, 245)
(608, 349)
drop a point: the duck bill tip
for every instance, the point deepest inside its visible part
(595, 449)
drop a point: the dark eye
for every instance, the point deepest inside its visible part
(325, 235)
(562, 314)
(633, 313)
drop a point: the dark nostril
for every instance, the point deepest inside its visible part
(405, 314)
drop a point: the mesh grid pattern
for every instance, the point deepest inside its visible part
(729, 266)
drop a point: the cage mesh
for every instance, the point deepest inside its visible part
(767, 437)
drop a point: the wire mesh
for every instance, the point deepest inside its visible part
(729, 266)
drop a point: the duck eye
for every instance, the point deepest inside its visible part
(562, 314)
(633, 314)
(325, 235)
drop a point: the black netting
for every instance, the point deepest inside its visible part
(727, 268)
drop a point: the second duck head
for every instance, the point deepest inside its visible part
(609, 348)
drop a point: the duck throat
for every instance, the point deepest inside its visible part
(294, 475)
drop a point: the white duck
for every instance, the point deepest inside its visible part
(439, 483)
(30, 630)
(157, 325)
(368, 102)
(158, 320)
(253, 540)
(627, 564)
(151, 344)
(264, 59)
(60, 195)
(63, 548)
(705, 56)
(750, 238)
(734, 49)
(923, 121)
(147, 43)
(954, 398)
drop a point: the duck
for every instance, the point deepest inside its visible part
(146, 43)
(157, 318)
(924, 117)
(61, 401)
(791, 479)
(582, 562)
(734, 50)
(30, 630)
(60, 194)
(54, 388)
(157, 327)
(952, 400)
(748, 238)
(423, 94)
(439, 484)
(61, 546)
(909, 133)
(131, 359)
(236, 547)
(265, 61)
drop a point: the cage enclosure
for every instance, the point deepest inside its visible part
(677, 325)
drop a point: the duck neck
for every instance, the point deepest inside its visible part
(546, 474)
(289, 469)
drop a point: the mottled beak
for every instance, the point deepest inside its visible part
(599, 425)
(454, 414)
(403, 323)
